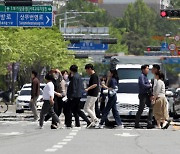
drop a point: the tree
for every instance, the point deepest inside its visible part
(139, 21)
(140, 18)
(99, 18)
(35, 48)
(119, 47)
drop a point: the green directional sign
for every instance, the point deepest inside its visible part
(2, 8)
(25, 8)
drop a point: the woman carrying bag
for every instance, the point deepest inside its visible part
(160, 104)
(112, 86)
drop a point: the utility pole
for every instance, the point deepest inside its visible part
(12, 83)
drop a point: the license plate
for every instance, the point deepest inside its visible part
(132, 113)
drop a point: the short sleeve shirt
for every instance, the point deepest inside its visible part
(48, 91)
(94, 79)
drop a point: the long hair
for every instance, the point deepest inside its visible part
(115, 75)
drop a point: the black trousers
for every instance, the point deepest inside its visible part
(47, 108)
(58, 106)
(72, 106)
(102, 106)
(144, 100)
(97, 109)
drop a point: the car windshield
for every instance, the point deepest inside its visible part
(131, 73)
(27, 92)
(128, 88)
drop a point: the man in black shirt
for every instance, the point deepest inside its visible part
(92, 93)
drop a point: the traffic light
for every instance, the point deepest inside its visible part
(18, 2)
(178, 51)
(170, 13)
(153, 48)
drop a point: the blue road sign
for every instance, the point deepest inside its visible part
(164, 46)
(30, 19)
(174, 60)
(88, 46)
(8, 19)
(25, 19)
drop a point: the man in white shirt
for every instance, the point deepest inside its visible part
(48, 97)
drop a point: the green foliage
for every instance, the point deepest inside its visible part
(139, 18)
(35, 48)
(119, 47)
(99, 18)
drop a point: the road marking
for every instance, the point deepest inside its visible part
(51, 150)
(67, 140)
(127, 135)
(11, 134)
(63, 143)
(75, 130)
(58, 146)
(69, 136)
(72, 134)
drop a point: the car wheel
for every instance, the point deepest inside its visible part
(19, 111)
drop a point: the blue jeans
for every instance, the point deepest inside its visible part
(111, 104)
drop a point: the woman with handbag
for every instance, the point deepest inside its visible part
(112, 86)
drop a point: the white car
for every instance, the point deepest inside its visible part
(127, 99)
(23, 99)
(28, 85)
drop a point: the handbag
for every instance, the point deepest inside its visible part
(113, 91)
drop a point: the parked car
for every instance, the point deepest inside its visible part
(176, 106)
(28, 85)
(23, 99)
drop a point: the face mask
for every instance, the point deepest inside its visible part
(56, 76)
(65, 77)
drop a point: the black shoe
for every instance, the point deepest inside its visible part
(90, 124)
(54, 127)
(138, 127)
(150, 127)
(167, 125)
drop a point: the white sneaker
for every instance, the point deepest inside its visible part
(96, 122)
(99, 126)
(119, 127)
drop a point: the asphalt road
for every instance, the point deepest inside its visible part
(19, 135)
(24, 137)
